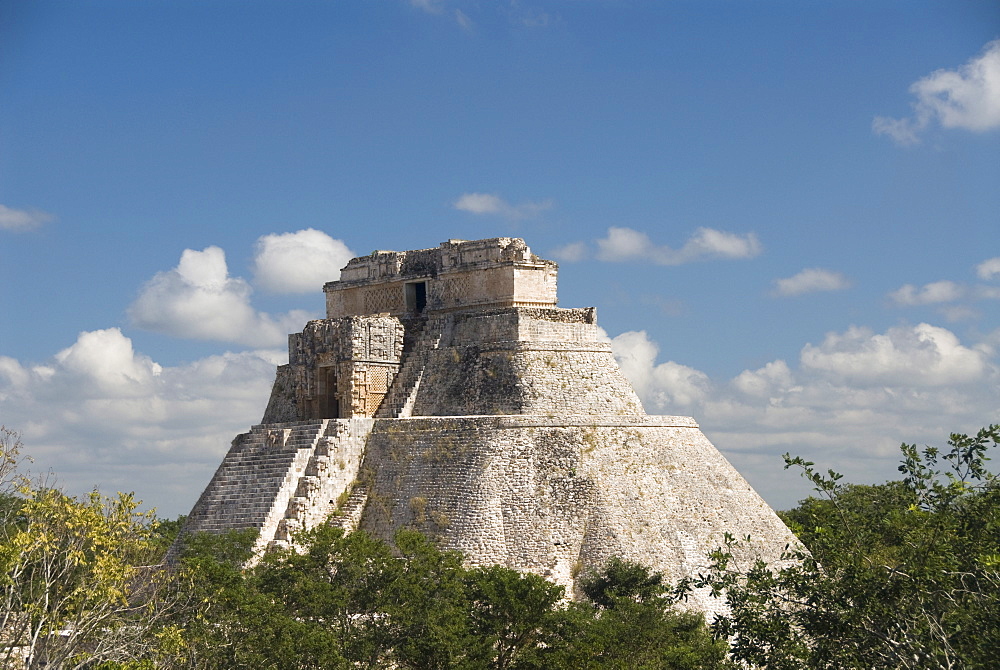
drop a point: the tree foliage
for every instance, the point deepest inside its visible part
(347, 600)
(75, 589)
(899, 575)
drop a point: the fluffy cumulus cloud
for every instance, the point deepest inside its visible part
(491, 204)
(198, 299)
(105, 361)
(666, 384)
(299, 262)
(99, 413)
(953, 299)
(846, 403)
(626, 244)
(989, 269)
(20, 220)
(811, 280)
(775, 377)
(922, 355)
(967, 98)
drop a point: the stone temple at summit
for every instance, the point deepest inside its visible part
(445, 391)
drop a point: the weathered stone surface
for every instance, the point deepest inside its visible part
(445, 391)
(559, 495)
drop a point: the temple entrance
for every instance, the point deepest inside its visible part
(327, 400)
(416, 296)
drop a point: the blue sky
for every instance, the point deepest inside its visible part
(786, 213)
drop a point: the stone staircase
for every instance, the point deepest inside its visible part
(260, 466)
(280, 477)
(430, 334)
(348, 514)
(330, 475)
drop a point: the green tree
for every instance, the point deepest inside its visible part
(427, 607)
(636, 625)
(225, 621)
(337, 585)
(347, 600)
(74, 588)
(518, 619)
(898, 575)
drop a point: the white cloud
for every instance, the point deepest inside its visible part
(967, 98)
(299, 262)
(926, 355)
(480, 203)
(935, 292)
(570, 253)
(773, 378)
(105, 358)
(989, 269)
(847, 403)
(811, 280)
(99, 413)
(625, 244)
(952, 300)
(20, 220)
(488, 203)
(198, 299)
(957, 313)
(987, 292)
(668, 384)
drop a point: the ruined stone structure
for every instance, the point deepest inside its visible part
(446, 391)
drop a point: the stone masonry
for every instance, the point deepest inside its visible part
(445, 391)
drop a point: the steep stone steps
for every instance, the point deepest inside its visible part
(348, 514)
(251, 479)
(433, 333)
(331, 470)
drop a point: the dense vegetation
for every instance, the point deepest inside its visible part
(351, 601)
(904, 574)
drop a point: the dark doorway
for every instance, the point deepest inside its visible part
(416, 296)
(328, 400)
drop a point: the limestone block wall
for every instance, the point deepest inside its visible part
(284, 405)
(519, 379)
(559, 496)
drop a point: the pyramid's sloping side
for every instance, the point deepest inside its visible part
(559, 496)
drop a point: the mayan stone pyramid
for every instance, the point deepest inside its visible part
(445, 391)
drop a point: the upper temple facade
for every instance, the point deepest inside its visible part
(445, 391)
(500, 272)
